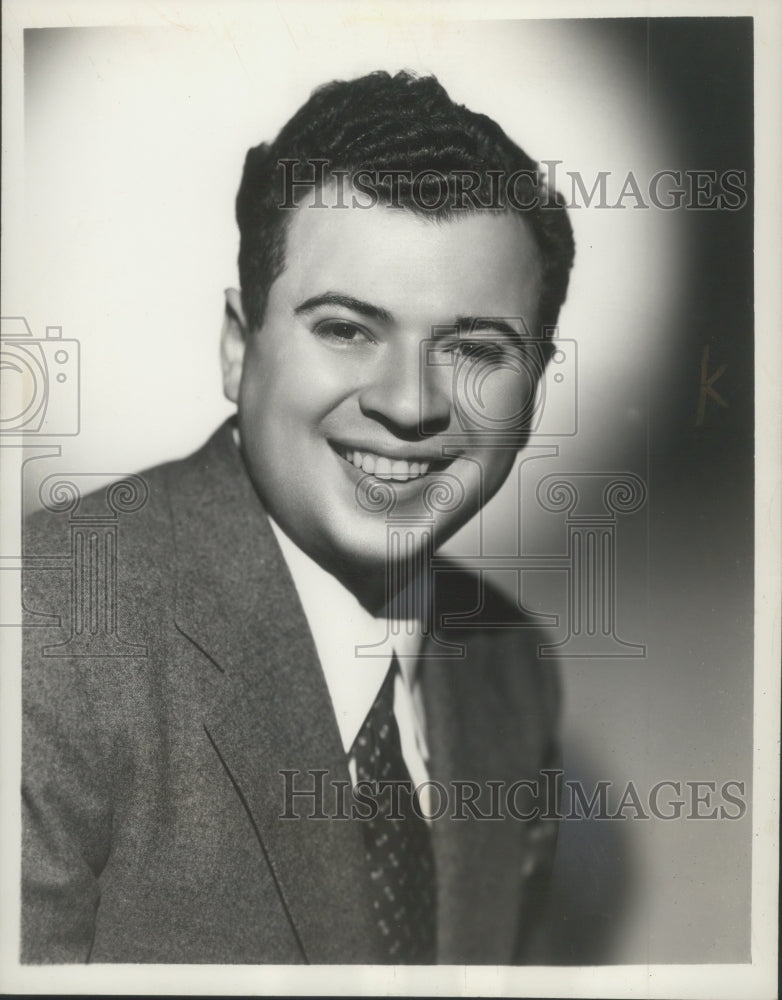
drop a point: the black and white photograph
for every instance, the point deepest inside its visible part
(390, 556)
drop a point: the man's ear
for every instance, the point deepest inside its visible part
(232, 344)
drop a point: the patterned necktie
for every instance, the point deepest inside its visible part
(397, 842)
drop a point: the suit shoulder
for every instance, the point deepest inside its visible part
(465, 595)
(499, 633)
(138, 505)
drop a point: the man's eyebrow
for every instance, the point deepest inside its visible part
(474, 324)
(347, 302)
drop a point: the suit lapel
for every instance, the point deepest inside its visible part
(478, 862)
(490, 718)
(272, 711)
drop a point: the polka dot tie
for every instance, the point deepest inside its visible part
(397, 842)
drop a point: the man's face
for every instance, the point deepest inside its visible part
(338, 402)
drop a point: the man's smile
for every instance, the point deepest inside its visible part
(386, 466)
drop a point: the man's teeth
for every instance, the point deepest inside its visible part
(386, 468)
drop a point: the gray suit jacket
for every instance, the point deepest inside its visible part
(152, 786)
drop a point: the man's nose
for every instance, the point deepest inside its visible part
(411, 399)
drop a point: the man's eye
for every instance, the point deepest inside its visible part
(341, 332)
(478, 350)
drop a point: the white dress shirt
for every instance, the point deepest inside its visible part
(355, 650)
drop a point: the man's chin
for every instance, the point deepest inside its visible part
(372, 562)
(384, 558)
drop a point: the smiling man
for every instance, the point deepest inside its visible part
(329, 746)
(333, 388)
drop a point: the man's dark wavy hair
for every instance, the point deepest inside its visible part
(381, 123)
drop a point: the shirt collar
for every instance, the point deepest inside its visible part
(354, 646)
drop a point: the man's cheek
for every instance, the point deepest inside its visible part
(510, 396)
